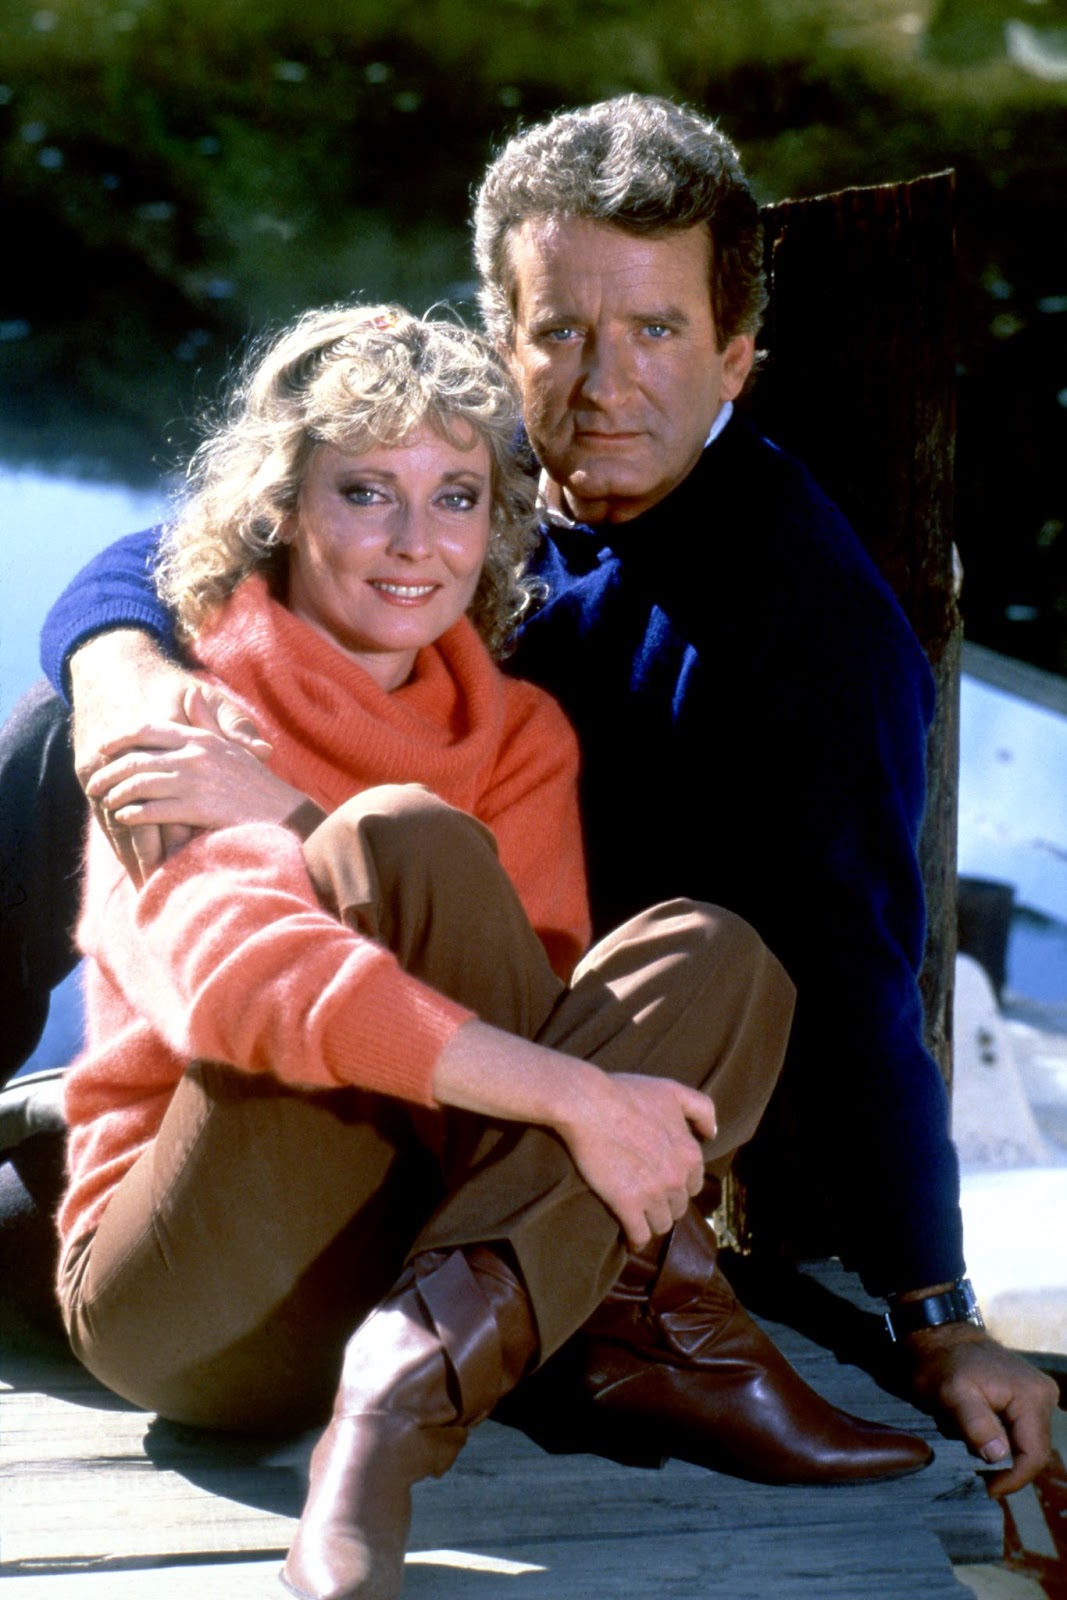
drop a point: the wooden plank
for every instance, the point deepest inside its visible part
(104, 1501)
(114, 1487)
(104, 1509)
(246, 1580)
(781, 1565)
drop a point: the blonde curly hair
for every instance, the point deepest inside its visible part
(356, 377)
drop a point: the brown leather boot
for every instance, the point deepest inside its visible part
(455, 1334)
(673, 1361)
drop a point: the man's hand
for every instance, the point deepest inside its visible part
(995, 1401)
(121, 687)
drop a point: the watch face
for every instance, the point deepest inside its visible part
(969, 1302)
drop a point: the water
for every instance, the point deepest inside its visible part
(51, 527)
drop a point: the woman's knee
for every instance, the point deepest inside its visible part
(401, 866)
(393, 810)
(393, 842)
(413, 822)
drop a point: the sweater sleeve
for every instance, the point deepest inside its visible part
(532, 808)
(113, 590)
(228, 955)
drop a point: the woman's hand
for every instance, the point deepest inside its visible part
(189, 775)
(636, 1142)
(634, 1139)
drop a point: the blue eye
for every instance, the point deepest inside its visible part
(657, 330)
(362, 494)
(459, 500)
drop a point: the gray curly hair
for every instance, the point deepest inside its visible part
(355, 377)
(647, 166)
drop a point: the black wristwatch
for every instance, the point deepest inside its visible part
(957, 1304)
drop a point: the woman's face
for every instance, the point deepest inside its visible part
(386, 547)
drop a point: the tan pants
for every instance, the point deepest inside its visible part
(240, 1252)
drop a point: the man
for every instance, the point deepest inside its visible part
(750, 701)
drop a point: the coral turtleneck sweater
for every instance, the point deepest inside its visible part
(226, 955)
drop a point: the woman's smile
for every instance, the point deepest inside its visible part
(403, 593)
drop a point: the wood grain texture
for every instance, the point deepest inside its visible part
(99, 1502)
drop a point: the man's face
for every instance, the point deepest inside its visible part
(616, 354)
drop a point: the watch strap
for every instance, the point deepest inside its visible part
(958, 1303)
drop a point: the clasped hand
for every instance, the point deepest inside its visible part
(635, 1140)
(639, 1149)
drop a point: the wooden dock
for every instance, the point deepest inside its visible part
(103, 1502)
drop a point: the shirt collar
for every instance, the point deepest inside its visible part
(550, 498)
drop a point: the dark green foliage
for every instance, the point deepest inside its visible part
(177, 173)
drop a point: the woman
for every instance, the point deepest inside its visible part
(365, 1074)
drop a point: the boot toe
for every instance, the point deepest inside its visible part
(881, 1452)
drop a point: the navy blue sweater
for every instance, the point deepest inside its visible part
(752, 708)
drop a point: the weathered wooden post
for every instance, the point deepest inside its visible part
(859, 383)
